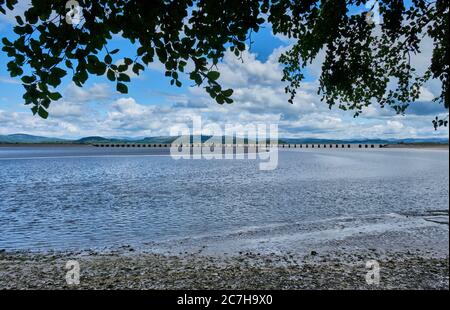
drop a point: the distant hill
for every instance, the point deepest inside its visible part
(96, 139)
(160, 139)
(432, 140)
(330, 141)
(24, 138)
(362, 141)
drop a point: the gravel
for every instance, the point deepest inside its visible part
(136, 270)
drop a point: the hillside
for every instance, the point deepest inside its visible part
(31, 139)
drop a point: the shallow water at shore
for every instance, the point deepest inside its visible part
(74, 198)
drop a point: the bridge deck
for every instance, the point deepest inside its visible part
(281, 146)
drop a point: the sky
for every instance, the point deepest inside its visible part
(152, 106)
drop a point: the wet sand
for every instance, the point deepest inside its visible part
(412, 253)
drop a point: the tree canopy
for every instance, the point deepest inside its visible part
(365, 62)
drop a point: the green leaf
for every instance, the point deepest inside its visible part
(6, 42)
(100, 68)
(162, 54)
(92, 59)
(123, 77)
(42, 112)
(213, 75)
(140, 51)
(55, 96)
(28, 79)
(196, 77)
(220, 100)
(69, 64)
(45, 102)
(111, 75)
(58, 72)
(122, 88)
(122, 68)
(34, 109)
(19, 20)
(137, 67)
(54, 80)
(108, 59)
(228, 100)
(227, 92)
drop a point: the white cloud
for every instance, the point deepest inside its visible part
(9, 80)
(425, 94)
(96, 92)
(259, 97)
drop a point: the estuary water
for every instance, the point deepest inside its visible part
(75, 198)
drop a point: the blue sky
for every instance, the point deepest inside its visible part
(152, 106)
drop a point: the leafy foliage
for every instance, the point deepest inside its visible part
(364, 64)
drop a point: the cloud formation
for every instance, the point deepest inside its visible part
(259, 98)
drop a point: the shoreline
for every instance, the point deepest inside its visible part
(385, 146)
(435, 146)
(240, 261)
(339, 270)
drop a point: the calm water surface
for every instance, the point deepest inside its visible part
(85, 197)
